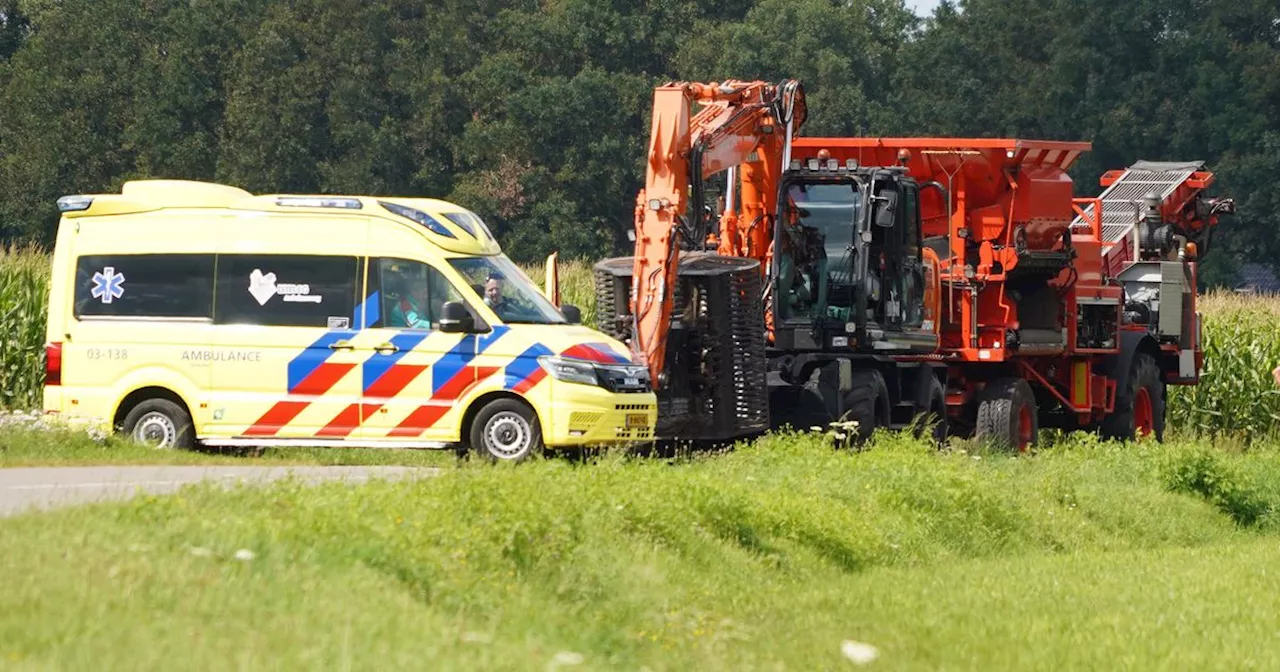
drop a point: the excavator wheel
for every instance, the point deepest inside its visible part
(867, 404)
(932, 407)
(1139, 411)
(1007, 415)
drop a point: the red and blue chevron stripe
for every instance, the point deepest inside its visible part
(451, 377)
(382, 379)
(596, 352)
(524, 372)
(309, 375)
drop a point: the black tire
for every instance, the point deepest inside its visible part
(867, 404)
(931, 406)
(506, 430)
(1007, 415)
(1144, 377)
(160, 423)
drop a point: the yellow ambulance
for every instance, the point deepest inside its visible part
(188, 312)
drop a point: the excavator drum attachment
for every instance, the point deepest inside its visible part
(714, 382)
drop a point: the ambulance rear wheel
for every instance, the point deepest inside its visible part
(160, 423)
(506, 430)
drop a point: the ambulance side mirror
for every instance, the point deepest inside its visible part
(571, 313)
(455, 318)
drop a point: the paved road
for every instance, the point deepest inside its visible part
(23, 489)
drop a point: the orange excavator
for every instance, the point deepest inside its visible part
(791, 304)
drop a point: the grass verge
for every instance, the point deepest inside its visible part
(31, 447)
(1088, 555)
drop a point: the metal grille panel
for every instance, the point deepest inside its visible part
(1121, 200)
(715, 352)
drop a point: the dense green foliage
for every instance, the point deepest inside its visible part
(1087, 556)
(534, 113)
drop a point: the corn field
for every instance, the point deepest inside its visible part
(1236, 395)
(24, 293)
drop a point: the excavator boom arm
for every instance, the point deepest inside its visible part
(685, 148)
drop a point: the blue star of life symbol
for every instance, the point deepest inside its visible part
(108, 284)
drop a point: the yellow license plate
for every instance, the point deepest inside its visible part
(637, 420)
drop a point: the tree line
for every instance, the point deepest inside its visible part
(535, 112)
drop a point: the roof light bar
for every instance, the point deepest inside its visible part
(462, 220)
(433, 225)
(471, 223)
(74, 203)
(319, 202)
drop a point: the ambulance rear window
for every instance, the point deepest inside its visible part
(144, 285)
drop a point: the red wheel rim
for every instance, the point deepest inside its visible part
(1143, 417)
(1025, 432)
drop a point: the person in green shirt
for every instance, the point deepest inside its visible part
(410, 310)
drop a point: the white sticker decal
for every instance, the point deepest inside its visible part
(263, 286)
(339, 322)
(297, 293)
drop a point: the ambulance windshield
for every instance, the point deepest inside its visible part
(507, 290)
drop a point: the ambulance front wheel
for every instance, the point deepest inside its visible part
(160, 423)
(506, 430)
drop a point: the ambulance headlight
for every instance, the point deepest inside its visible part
(569, 370)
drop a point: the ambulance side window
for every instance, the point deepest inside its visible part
(144, 285)
(408, 294)
(287, 290)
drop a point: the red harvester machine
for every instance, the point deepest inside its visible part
(1071, 312)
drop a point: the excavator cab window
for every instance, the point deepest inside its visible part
(815, 260)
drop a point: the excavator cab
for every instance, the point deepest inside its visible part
(850, 273)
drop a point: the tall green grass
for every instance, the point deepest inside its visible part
(24, 295)
(1091, 556)
(1236, 395)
